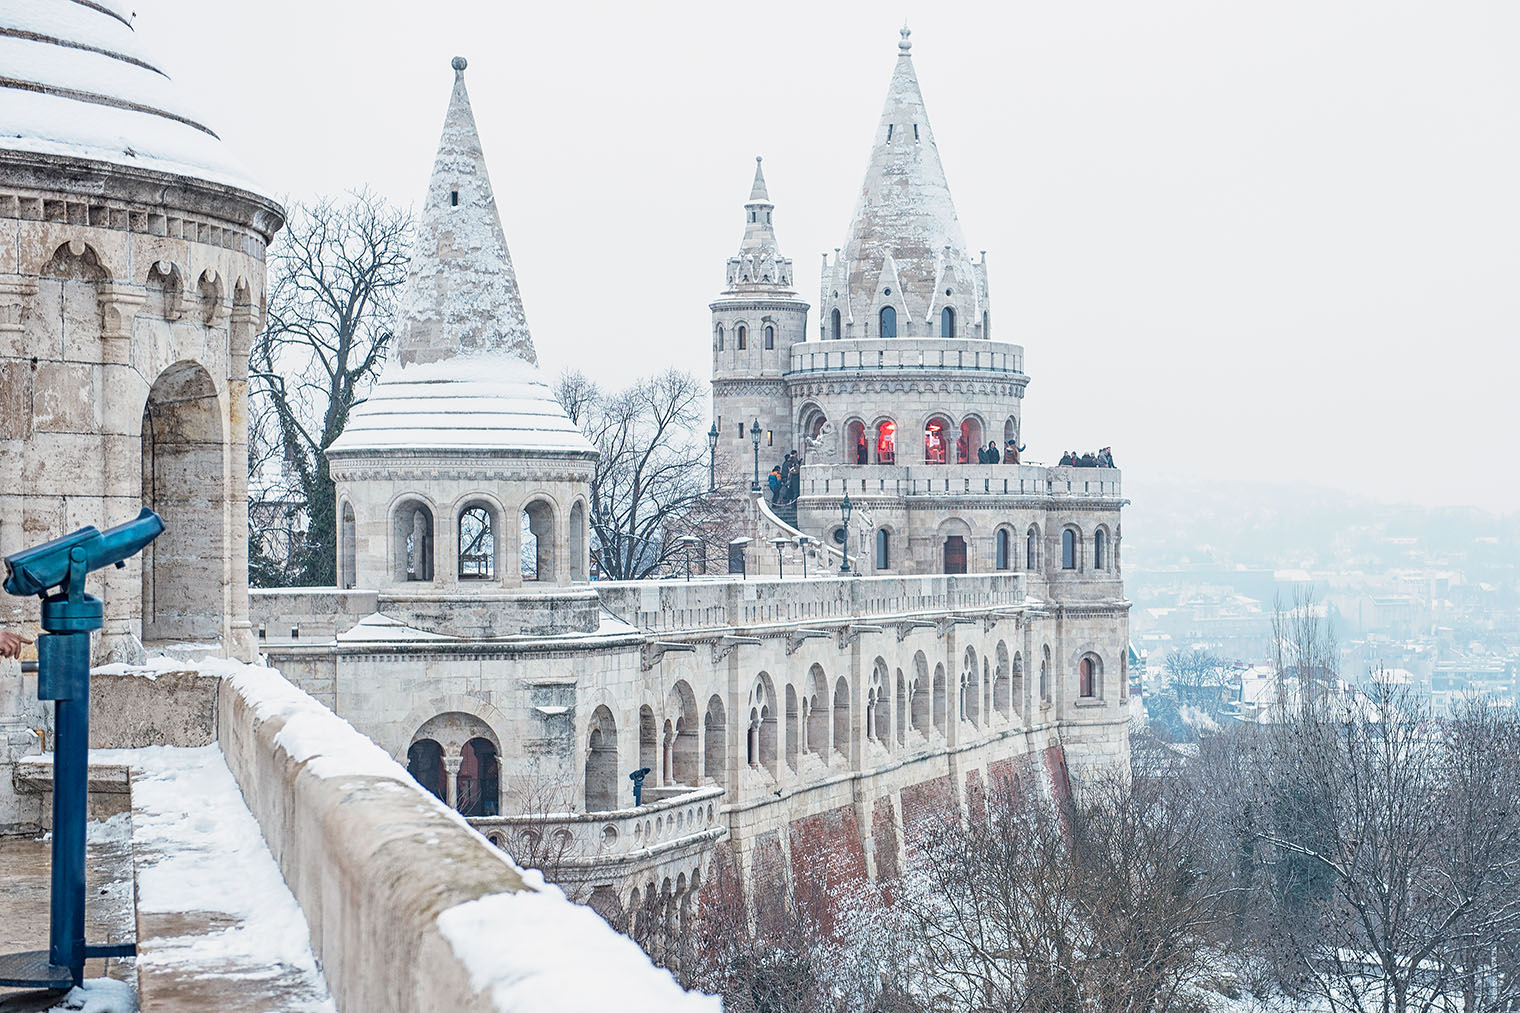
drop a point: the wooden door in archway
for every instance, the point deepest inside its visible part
(955, 554)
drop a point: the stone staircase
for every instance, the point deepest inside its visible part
(787, 512)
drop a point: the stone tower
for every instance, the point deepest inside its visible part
(131, 286)
(461, 475)
(755, 322)
(904, 271)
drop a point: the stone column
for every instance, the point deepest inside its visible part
(451, 780)
(124, 391)
(239, 639)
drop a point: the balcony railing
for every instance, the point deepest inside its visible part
(907, 354)
(959, 480)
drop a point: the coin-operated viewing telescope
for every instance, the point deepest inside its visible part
(55, 571)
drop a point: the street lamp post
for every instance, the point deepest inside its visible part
(778, 543)
(754, 436)
(844, 548)
(803, 541)
(687, 541)
(712, 457)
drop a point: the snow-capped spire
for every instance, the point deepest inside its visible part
(461, 295)
(905, 214)
(758, 191)
(759, 262)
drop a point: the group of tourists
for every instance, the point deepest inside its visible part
(991, 455)
(1102, 459)
(785, 479)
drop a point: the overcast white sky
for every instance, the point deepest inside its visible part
(1274, 240)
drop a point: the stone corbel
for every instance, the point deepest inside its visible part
(15, 290)
(652, 651)
(945, 625)
(119, 304)
(991, 619)
(795, 638)
(724, 646)
(907, 626)
(850, 633)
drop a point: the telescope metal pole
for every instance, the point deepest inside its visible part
(65, 657)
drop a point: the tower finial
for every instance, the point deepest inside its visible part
(904, 46)
(459, 63)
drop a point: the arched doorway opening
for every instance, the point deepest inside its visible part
(412, 533)
(477, 543)
(714, 751)
(479, 791)
(601, 762)
(185, 570)
(970, 440)
(347, 552)
(937, 440)
(886, 442)
(424, 761)
(955, 554)
(537, 539)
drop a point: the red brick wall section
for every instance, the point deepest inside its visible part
(976, 795)
(884, 840)
(924, 805)
(1001, 775)
(1055, 766)
(828, 869)
(768, 883)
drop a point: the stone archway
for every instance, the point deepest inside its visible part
(185, 571)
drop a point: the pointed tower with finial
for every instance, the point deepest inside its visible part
(755, 322)
(905, 270)
(460, 473)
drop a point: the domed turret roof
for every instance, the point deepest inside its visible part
(78, 83)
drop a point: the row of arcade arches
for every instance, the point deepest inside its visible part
(806, 725)
(945, 439)
(486, 547)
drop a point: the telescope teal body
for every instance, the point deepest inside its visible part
(56, 571)
(43, 567)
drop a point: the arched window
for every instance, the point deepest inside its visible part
(714, 755)
(1001, 552)
(537, 539)
(1090, 677)
(986, 325)
(834, 325)
(939, 698)
(1031, 548)
(479, 781)
(720, 337)
(947, 322)
(742, 335)
(424, 761)
(1045, 677)
(1068, 549)
(1100, 550)
(856, 450)
(578, 541)
(886, 442)
(815, 701)
(883, 549)
(888, 322)
(601, 762)
(348, 552)
(969, 446)
(770, 336)
(937, 440)
(842, 718)
(412, 527)
(477, 544)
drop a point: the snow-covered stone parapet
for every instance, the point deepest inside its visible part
(409, 908)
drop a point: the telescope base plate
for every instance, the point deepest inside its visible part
(32, 970)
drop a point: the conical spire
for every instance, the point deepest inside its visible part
(758, 191)
(904, 214)
(461, 296)
(759, 262)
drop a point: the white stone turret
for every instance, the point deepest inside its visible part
(905, 261)
(461, 469)
(756, 320)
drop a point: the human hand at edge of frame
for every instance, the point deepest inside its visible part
(11, 644)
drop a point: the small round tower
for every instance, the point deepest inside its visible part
(460, 476)
(755, 322)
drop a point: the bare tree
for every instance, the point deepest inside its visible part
(335, 273)
(1389, 846)
(650, 486)
(1198, 678)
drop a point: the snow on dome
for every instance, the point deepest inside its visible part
(905, 234)
(461, 294)
(78, 83)
(486, 402)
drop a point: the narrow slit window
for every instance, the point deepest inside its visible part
(454, 198)
(915, 131)
(889, 133)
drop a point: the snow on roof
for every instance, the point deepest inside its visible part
(478, 402)
(377, 626)
(461, 293)
(78, 83)
(905, 234)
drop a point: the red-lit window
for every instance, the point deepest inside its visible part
(886, 443)
(936, 440)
